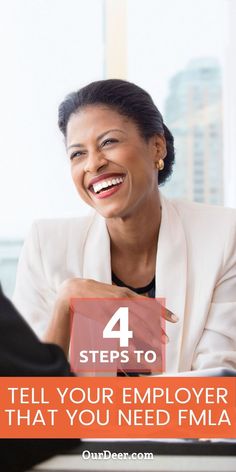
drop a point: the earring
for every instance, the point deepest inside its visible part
(160, 164)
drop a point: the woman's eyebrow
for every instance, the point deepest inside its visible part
(108, 131)
(98, 138)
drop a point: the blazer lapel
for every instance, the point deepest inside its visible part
(97, 257)
(171, 277)
(97, 266)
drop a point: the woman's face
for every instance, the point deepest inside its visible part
(112, 166)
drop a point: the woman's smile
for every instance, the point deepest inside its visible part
(106, 185)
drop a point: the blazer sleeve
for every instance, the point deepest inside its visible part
(217, 346)
(33, 296)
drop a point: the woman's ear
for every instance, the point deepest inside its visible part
(159, 147)
(160, 144)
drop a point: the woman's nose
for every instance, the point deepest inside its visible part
(95, 160)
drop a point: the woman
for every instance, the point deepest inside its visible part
(119, 148)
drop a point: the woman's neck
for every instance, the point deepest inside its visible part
(135, 237)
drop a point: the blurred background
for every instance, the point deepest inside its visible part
(183, 52)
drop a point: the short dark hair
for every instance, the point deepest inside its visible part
(129, 100)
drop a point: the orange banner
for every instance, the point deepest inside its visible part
(154, 407)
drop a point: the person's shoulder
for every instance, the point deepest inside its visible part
(56, 232)
(60, 226)
(212, 225)
(193, 211)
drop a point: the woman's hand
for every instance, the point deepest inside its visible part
(59, 327)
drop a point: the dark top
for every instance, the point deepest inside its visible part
(149, 289)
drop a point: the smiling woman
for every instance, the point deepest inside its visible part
(135, 241)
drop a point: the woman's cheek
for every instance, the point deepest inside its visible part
(82, 190)
(76, 176)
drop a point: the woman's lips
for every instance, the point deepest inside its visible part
(105, 193)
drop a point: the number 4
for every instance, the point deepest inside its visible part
(123, 334)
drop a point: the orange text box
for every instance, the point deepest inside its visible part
(156, 407)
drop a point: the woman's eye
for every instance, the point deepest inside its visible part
(109, 141)
(76, 154)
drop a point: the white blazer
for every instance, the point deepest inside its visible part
(195, 273)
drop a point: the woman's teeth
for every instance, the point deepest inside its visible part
(107, 183)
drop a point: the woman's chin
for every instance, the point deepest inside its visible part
(110, 211)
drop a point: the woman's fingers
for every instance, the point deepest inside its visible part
(168, 315)
(164, 337)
